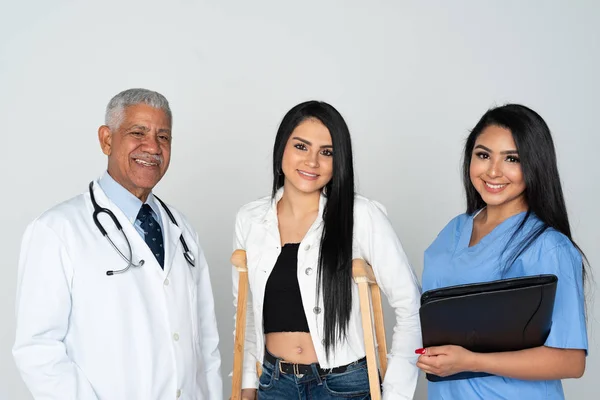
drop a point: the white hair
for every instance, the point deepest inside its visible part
(115, 109)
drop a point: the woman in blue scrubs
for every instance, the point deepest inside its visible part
(516, 225)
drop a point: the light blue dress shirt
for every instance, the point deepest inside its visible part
(128, 203)
(450, 261)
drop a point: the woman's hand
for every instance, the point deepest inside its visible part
(445, 360)
(248, 394)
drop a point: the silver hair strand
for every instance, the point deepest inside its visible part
(116, 106)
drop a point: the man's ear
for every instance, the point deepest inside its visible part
(105, 138)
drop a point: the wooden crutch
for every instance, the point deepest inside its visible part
(365, 278)
(238, 260)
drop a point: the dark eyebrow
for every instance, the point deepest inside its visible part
(480, 146)
(327, 146)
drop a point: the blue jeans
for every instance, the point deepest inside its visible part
(350, 384)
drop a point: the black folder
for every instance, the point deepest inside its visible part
(504, 315)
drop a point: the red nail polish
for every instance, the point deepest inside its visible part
(420, 351)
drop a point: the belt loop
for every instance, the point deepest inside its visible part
(277, 368)
(316, 373)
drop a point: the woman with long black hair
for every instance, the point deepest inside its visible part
(515, 225)
(303, 321)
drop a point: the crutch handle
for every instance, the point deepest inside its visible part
(238, 259)
(362, 272)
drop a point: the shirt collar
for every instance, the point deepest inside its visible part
(124, 199)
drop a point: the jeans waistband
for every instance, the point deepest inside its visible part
(307, 369)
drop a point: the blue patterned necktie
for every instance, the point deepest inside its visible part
(152, 234)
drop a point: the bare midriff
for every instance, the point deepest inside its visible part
(293, 347)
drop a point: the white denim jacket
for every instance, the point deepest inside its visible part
(256, 231)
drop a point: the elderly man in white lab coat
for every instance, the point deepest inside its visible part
(126, 315)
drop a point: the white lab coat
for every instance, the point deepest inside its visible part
(145, 334)
(375, 241)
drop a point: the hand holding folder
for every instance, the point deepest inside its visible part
(504, 315)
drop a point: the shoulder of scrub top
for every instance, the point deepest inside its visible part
(548, 241)
(551, 241)
(455, 226)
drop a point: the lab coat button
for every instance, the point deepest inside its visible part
(178, 393)
(308, 271)
(317, 310)
(175, 336)
(307, 247)
(166, 282)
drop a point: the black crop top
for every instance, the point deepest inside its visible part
(283, 310)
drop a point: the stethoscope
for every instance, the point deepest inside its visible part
(189, 257)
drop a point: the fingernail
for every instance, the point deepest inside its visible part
(420, 351)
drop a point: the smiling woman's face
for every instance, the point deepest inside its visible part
(308, 157)
(495, 169)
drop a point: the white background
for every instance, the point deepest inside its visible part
(411, 78)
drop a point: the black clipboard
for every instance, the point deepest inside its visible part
(504, 315)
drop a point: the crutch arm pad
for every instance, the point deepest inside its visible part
(362, 272)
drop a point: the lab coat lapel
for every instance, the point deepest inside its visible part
(170, 238)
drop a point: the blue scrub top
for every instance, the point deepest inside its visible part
(450, 261)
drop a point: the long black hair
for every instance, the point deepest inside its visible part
(334, 273)
(543, 191)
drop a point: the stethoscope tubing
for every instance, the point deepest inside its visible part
(189, 257)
